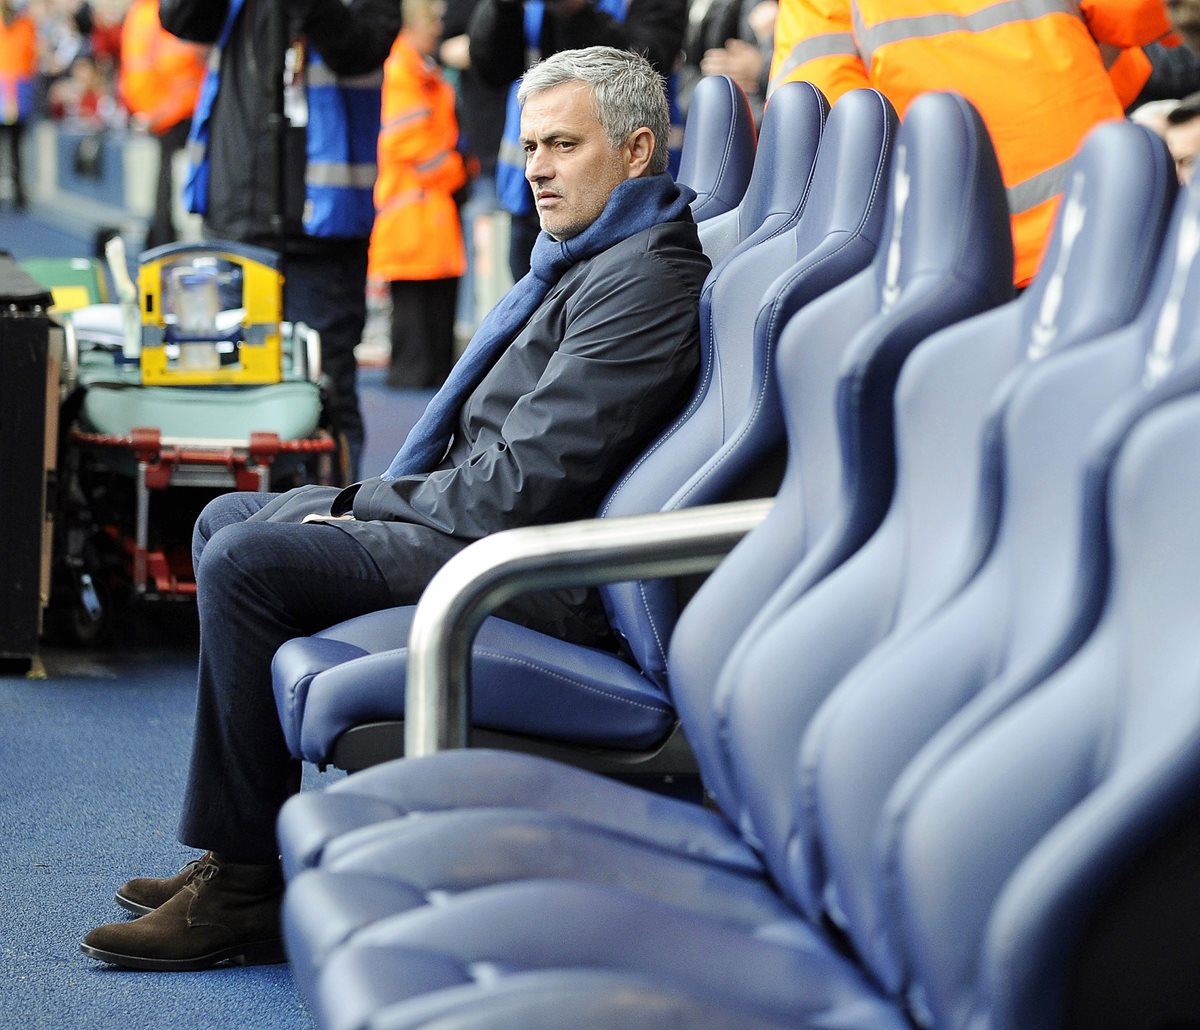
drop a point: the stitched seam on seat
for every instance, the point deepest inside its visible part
(658, 640)
(524, 663)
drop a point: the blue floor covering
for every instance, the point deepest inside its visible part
(92, 763)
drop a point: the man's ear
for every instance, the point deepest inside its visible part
(640, 147)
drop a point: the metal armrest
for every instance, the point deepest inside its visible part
(494, 570)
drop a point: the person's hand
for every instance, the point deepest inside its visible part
(762, 20)
(741, 61)
(455, 52)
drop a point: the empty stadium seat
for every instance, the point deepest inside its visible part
(340, 692)
(718, 146)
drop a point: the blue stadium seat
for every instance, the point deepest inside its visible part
(305, 828)
(340, 692)
(718, 146)
(995, 872)
(943, 131)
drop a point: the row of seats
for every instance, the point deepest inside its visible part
(810, 218)
(943, 696)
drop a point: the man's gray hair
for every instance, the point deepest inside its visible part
(629, 93)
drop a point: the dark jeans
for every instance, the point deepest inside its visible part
(330, 295)
(258, 585)
(12, 136)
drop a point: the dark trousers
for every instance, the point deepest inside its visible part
(329, 293)
(422, 332)
(258, 585)
(162, 226)
(12, 136)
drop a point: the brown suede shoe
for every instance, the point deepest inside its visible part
(224, 913)
(146, 893)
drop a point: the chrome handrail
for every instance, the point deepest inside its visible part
(494, 570)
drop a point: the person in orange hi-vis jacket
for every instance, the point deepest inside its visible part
(1041, 73)
(417, 244)
(18, 69)
(159, 81)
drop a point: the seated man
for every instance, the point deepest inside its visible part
(567, 379)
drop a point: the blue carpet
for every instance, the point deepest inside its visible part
(388, 414)
(94, 758)
(92, 763)
(26, 235)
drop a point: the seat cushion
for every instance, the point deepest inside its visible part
(526, 682)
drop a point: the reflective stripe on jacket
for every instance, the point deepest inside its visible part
(417, 233)
(341, 137)
(1041, 73)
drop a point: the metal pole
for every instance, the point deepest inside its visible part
(500, 567)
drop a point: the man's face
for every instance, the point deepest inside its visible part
(1184, 143)
(1185, 16)
(569, 162)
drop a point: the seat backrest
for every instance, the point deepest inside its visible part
(733, 421)
(1017, 841)
(944, 257)
(718, 146)
(1076, 409)
(782, 167)
(895, 698)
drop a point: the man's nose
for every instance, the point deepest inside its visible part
(535, 166)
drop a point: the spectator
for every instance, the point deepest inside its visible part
(480, 109)
(417, 244)
(744, 54)
(1153, 115)
(18, 72)
(159, 82)
(323, 157)
(1183, 136)
(1040, 81)
(82, 96)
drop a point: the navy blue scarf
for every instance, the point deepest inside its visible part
(635, 205)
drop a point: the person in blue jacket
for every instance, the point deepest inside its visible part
(332, 78)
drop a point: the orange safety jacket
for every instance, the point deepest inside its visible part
(160, 74)
(1041, 73)
(417, 233)
(18, 67)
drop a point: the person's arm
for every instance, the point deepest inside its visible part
(1126, 23)
(197, 20)
(814, 42)
(629, 352)
(353, 38)
(652, 27)
(497, 33)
